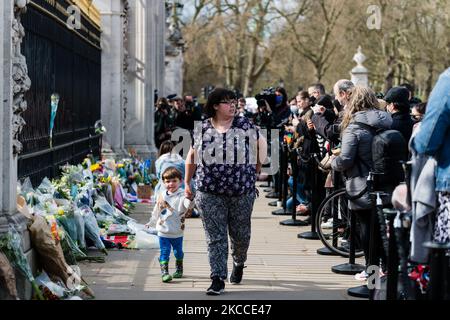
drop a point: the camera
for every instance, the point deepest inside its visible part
(261, 103)
(189, 105)
(267, 95)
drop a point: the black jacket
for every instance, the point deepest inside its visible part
(327, 125)
(403, 123)
(280, 115)
(184, 120)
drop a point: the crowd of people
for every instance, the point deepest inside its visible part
(173, 113)
(358, 131)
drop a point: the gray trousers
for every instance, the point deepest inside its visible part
(222, 215)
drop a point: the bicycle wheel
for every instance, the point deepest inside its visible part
(333, 224)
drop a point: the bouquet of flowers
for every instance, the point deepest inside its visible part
(66, 218)
(102, 206)
(11, 246)
(92, 229)
(46, 187)
(27, 191)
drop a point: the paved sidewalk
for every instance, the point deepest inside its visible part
(280, 267)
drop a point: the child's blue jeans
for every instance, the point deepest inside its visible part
(300, 198)
(165, 246)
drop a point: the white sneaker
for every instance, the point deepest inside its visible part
(362, 276)
(328, 224)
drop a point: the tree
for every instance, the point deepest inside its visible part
(250, 45)
(241, 30)
(314, 43)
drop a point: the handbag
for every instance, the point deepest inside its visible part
(325, 163)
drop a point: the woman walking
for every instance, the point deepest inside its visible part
(225, 183)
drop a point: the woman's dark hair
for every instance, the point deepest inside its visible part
(421, 107)
(284, 94)
(218, 95)
(166, 147)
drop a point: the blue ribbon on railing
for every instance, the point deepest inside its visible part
(54, 108)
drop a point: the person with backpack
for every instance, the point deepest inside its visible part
(361, 120)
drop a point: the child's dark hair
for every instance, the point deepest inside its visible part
(172, 173)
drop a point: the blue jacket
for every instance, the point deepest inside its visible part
(434, 137)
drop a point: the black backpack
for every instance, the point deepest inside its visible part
(389, 149)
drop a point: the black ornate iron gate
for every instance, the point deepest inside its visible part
(68, 63)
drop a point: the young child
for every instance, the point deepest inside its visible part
(169, 216)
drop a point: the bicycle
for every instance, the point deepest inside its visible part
(335, 206)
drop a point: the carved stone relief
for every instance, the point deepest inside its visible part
(21, 82)
(126, 57)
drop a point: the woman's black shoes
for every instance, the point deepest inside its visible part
(236, 274)
(217, 287)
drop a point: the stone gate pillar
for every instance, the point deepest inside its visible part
(133, 34)
(139, 124)
(14, 82)
(114, 17)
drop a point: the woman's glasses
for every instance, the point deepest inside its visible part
(231, 102)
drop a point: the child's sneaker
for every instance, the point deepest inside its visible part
(166, 277)
(179, 271)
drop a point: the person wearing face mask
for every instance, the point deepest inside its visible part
(294, 107)
(302, 110)
(316, 91)
(397, 100)
(293, 118)
(282, 110)
(306, 144)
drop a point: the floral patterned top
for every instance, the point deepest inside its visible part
(226, 162)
